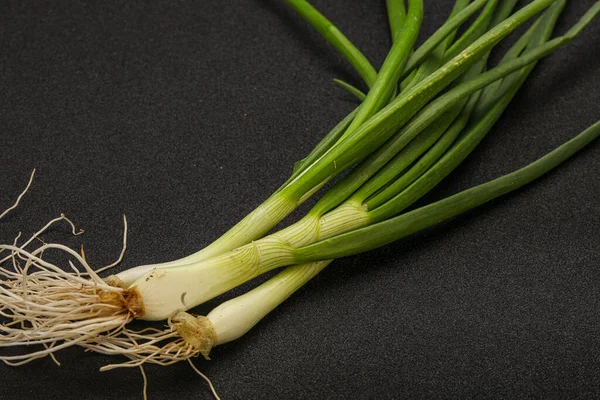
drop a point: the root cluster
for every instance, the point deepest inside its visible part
(53, 308)
(45, 307)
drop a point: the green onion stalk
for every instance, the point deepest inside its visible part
(370, 126)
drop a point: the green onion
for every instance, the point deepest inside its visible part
(401, 147)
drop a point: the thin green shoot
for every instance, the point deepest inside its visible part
(337, 39)
(396, 12)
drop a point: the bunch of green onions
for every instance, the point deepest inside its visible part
(425, 111)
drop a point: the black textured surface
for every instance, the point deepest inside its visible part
(184, 115)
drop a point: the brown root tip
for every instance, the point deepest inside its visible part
(197, 331)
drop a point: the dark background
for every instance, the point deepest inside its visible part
(184, 115)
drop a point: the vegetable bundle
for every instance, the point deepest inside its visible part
(452, 95)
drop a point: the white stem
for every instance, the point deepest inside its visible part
(237, 316)
(253, 226)
(164, 291)
(167, 290)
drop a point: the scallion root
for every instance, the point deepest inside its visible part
(48, 306)
(186, 337)
(155, 346)
(43, 304)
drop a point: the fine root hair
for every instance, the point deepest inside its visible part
(52, 306)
